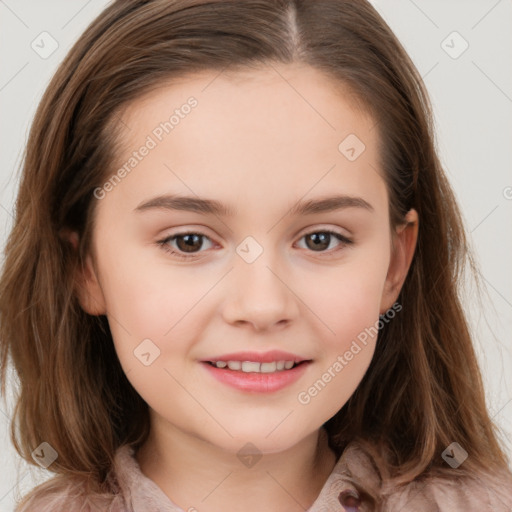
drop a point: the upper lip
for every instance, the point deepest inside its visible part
(259, 357)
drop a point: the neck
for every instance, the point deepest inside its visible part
(195, 474)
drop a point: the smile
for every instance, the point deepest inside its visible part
(256, 377)
(254, 366)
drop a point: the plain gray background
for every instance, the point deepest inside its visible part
(468, 75)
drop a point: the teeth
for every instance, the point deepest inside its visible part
(247, 367)
(268, 367)
(254, 367)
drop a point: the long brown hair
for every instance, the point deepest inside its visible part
(423, 389)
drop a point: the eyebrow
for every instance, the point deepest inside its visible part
(214, 207)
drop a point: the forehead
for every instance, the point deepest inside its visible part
(261, 131)
(272, 95)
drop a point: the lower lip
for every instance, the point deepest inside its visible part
(257, 382)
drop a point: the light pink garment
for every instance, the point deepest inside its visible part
(354, 480)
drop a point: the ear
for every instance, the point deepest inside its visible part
(403, 246)
(87, 286)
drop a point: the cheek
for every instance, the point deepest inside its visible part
(346, 297)
(148, 301)
(347, 301)
(344, 354)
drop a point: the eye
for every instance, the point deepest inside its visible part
(186, 243)
(320, 241)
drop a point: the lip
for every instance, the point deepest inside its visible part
(255, 382)
(258, 357)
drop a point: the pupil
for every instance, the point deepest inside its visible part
(189, 241)
(320, 240)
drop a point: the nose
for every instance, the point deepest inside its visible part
(260, 294)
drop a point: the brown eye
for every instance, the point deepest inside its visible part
(320, 241)
(184, 245)
(189, 242)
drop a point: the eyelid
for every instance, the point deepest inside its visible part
(325, 228)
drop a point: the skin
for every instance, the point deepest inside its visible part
(259, 142)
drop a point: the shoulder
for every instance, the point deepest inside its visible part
(61, 494)
(471, 493)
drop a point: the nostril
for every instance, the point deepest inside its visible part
(350, 500)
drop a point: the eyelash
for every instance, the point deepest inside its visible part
(164, 244)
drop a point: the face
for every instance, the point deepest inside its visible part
(290, 260)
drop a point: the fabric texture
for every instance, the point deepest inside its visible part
(354, 485)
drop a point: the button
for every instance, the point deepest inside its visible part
(350, 500)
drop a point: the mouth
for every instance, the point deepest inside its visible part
(255, 366)
(257, 372)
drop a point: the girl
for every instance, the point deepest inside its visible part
(232, 280)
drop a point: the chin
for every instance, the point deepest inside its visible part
(266, 440)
